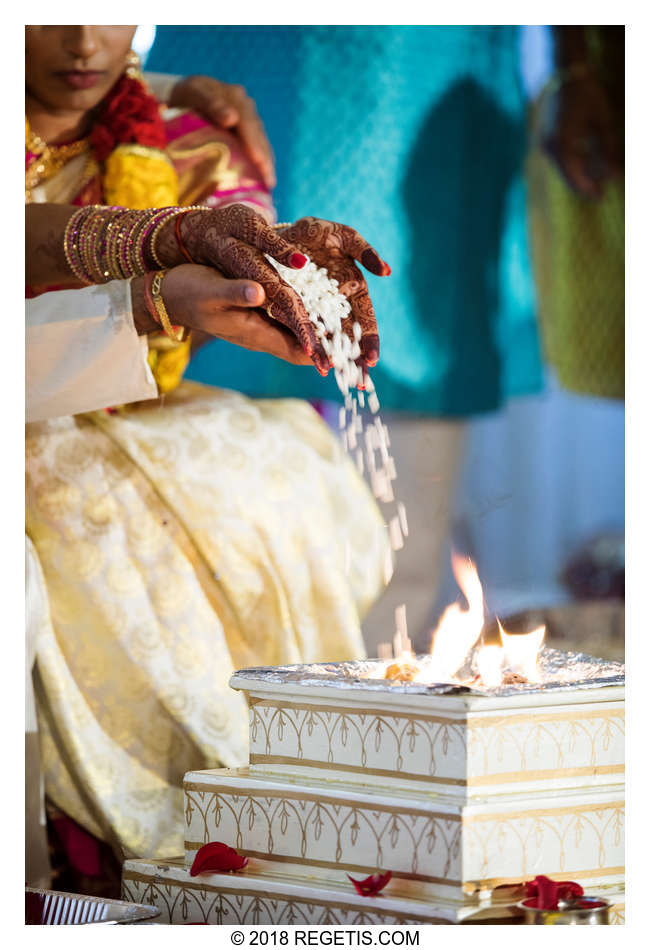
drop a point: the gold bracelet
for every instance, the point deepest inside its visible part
(177, 334)
(160, 224)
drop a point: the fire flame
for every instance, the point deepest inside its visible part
(489, 662)
(455, 636)
(458, 629)
(521, 651)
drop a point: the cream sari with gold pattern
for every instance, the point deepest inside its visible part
(172, 543)
(179, 542)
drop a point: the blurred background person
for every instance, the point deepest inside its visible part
(541, 499)
(419, 133)
(435, 122)
(577, 208)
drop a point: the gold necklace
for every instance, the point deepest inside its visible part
(49, 159)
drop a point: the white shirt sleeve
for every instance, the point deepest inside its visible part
(83, 352)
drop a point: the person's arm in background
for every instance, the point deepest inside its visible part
(227, 106)
(579, 125)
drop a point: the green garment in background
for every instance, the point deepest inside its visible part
(579, 250)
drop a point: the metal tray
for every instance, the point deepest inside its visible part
(57, 907)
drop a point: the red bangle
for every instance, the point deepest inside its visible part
(148, 297)
(177, 230)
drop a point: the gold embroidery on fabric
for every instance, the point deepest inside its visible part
(162, 580)
(209, 172)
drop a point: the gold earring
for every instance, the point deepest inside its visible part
(133, 65)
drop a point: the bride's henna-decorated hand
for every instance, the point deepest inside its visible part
(336, 247)
(235, 239)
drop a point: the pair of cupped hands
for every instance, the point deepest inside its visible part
(231, 288)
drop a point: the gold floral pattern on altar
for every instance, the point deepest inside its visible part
(573, 831)
(366, 836)
(182, 903)
(393, 736)
(326, 832)
(515, 748)
(617, 914)
(561, 732)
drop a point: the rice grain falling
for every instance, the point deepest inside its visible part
(400, 623)
(384, 651)
(363, 434)
(396, 539)
(388, 567)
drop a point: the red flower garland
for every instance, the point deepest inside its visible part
(129, 114)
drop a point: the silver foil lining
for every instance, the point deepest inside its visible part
(559, 671)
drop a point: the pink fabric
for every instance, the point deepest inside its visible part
(250, 189)
(81, 847)
(183, 124)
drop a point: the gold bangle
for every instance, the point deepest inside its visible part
(169, 217)
(177, 334)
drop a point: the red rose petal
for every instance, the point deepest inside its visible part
(547, 893)
(371, 885)
(217, 857)
(566, 890)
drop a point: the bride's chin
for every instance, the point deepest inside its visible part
(77, 100)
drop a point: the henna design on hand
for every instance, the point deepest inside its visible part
(336, 247)
(203, 230)
(235, 239)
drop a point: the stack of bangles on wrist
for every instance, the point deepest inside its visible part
(104, 243)
(156, 305)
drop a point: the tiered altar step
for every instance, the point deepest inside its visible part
(261, 895)
(460, 796)
(467, 746)
(432, 844)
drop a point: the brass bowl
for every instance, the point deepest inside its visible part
(584, 910)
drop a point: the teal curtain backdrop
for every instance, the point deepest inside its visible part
(416, 137)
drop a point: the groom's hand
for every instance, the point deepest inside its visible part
(201, 299)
